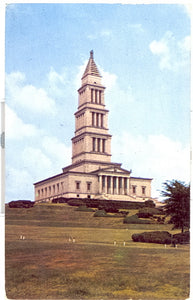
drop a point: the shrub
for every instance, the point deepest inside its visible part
(144, 215)
(108, 207)
(147, 212)
(75, 202)
(59, 200)
(84, 208)
(182, 238)
(159, 237)
(100, 213)
(135, 220)
(149, 203)
(21, 204)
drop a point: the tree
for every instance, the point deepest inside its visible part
(177, 203)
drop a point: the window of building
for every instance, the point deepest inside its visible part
(96, 100)
(143, 190)
(99, 145)
(93, 118)
(54, 189)
(93, 144)
(58, 187)
(50, 190)
(97, 120)
(99, 97)
(103, 146)
(77, 185)
(91, 95)
(134, 189)
(88, 186)
(102, 120)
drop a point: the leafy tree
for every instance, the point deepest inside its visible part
(177, 203)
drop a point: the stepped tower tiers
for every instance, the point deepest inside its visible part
(92, 174)
(91, 141)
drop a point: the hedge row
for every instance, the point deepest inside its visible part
(162, 237)
(108, 204)
(21, 204)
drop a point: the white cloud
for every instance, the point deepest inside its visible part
(187, 8)
(36, 162)
(173, 54)
(26, 96)
(60, 153)
(18, 184)
(15, 128)
(56, 82)
(108, 79)
(156, 157)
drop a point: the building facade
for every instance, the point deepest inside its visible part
(92, 174)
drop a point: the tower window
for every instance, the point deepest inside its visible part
(96, 100)
(93, 144)
(97, 120)
(93, 118)
(103, 146)
(101, 120)
(99, 144)
(91, 95)
(99, 97)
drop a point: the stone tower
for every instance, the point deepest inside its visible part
(91, 142)
(92, 175)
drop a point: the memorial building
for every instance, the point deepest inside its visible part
(92, 174)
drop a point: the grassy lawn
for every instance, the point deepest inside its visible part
(46, 265)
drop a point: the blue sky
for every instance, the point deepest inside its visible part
(143, 54)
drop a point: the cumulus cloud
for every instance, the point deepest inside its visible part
(26, 96)
(15, 128)
(60, 153)
(156, 156)
(18, 184)
(56, 82)
(36, 162)
(187, 8)
(173, 54)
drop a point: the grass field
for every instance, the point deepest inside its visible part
(46, 265)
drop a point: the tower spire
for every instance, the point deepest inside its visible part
(91, 68)
(91, 54)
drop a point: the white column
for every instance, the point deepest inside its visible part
(117, 183)
(111, 186)
(100, 184)
(106, 189)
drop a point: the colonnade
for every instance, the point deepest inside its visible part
(50, 190)
(113, 185)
